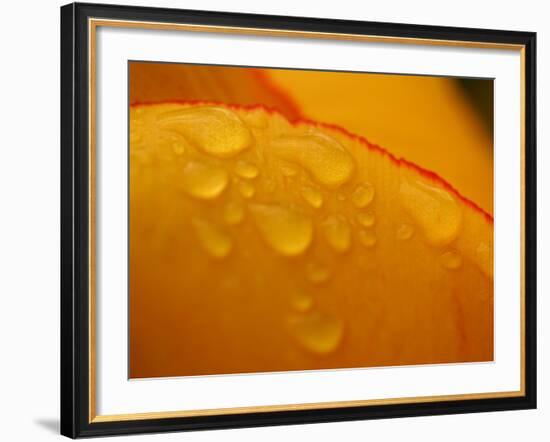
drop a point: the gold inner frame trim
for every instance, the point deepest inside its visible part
(92, 28)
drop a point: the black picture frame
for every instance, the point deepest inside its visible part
(75, 219)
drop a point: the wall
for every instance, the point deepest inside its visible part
(29, 219)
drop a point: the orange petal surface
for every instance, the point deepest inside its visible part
(257, 244)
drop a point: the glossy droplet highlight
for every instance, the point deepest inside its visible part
(434, 209)
(312, 196)
(246, 170)
(213, 239)
(337, 232)
(317, 273)
(404, 232)
(215, 130)
(322, 156)
(246, 189)
(451, 260)
(367, 238)
(301, 302)
(363, 195)
(317, 332)
(233, 213)
(366, 219)
(287, 231)
(204, 181)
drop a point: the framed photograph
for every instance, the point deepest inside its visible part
(275, 220)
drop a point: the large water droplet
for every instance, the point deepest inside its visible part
(312, 196)
(246, 170)
(363, 195)
(322, 156)
(434, 209)
(215, 130)
(204, 181)
(233, 213)
(214, 240)
(451, 260)
(288, 231)
(318, 332)
(337, 232)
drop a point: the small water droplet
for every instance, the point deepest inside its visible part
(363, 195)
(301, 302)
(317, 273)
(233, 213)
(322, 156)
(337, 232)
(204, 181)
(433, 208)
(246, 170)
(367, 238)
(312, 196)
(366, 219)
(288, 231)
(451, 260)
(246, 189)
(318, 332)
(215, 130)
(178, 148)
(214, 240)
(405, 232)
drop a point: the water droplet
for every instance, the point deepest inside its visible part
(301, 302)
(337, 232)
(317, 273)
(246, 189)
(214, 240)
(246, 170)
(405, 232)
(318, 332)
(288, 231)
(434, 209)
(451, 260)
(215, 130)
(204, 181)
(367, 238)
(233, 213)
(322, 156)
(363, 195)
(312, 196)
(366, 219)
